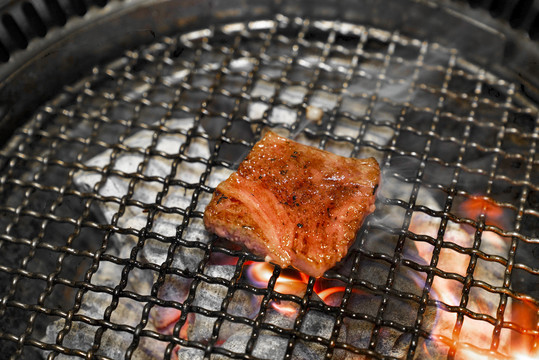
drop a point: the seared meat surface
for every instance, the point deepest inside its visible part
(294, 204)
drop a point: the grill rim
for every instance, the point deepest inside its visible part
(141, 234)
(45, 57)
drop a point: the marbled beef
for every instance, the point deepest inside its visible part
(294, 204)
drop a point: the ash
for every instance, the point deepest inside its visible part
(208, 295)
(209, 315)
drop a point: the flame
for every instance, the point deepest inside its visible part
(291, 282)
(164, 320)
(288, 283)
(285, 308)
(476, 332)
(448, 291)
(477, 205)
(324, 294)
(470, 354)
(525, 357)
(525, 314)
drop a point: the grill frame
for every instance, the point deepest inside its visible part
(34, 130)
(75, 44)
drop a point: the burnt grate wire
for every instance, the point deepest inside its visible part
(103, 193)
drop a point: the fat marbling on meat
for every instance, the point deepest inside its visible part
(294, 204)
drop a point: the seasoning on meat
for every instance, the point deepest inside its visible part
(294, 204)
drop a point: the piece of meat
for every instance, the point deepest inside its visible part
(294, 204)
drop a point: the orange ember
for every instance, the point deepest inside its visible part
(526, 315)
(165, 319)
(287, 309)
(477, 205)
(475, 337)
(290, 282)
(324, 294)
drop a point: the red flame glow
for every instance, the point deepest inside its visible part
(526, 315)
(477, 332)
(477, 205)
(292, 282)
(164, 320)
(324, 294)
(289, 283)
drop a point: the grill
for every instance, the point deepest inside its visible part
(104, 255)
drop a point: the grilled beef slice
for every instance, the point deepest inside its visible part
(294, 204)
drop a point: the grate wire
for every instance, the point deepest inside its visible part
(381, 93)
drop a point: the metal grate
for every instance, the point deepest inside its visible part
(102, 195)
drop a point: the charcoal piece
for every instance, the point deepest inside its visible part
(431, 349)
(93, 305)
(200, 327)
(357, 332)
(174, 288)
(186, 258)
(111, 346)
(148, 349)
(401, 311)
(245, 304)
(318, 324)
(270, 346)
(140, 281)
(390, 342)
(154, 252)
(107, 274)
(189, 353)
(81, 336)
(489, 271)
(210, 296)
(308, 350)
(373, 271)
(220, 271)
(195, 232)
(144, 191)
(279, 319)
(235, 343)
(267, 346)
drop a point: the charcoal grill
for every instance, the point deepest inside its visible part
(119, 118)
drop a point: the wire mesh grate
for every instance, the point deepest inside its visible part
(104, 254)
